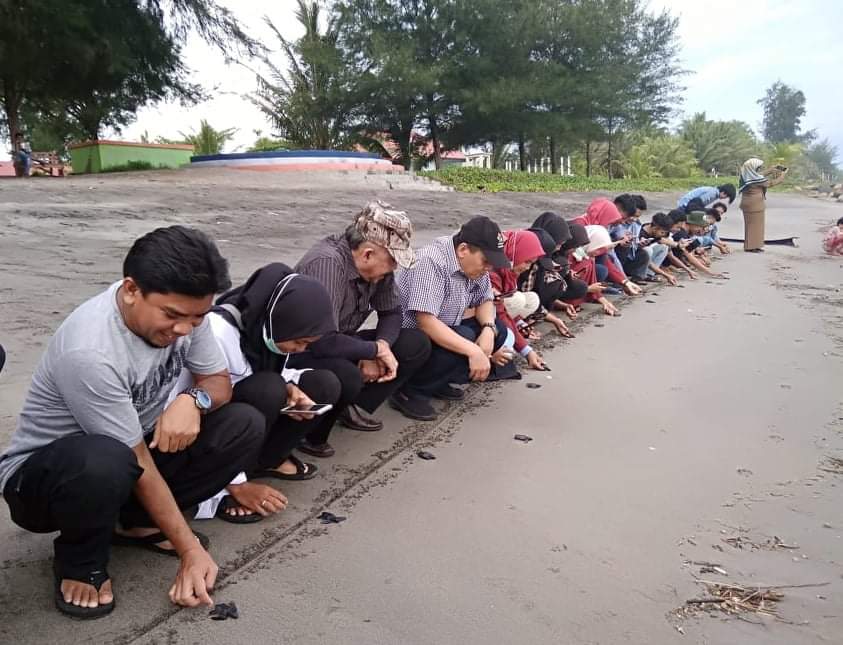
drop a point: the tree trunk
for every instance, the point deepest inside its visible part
(405, 147)
(522, 153)
(11, 105)
(609, 158)
(554, 157)
(587, 158)
(434, 137)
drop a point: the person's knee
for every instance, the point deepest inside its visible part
(101, 466)
(350, 379)
(265, 391)
(413, 345)
(322, 386)
(246, 426)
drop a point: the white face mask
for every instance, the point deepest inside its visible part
(270, 344)
(580, 254)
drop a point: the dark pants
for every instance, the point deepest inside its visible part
(695, 205)
(267, 392)
(81, 485)
(633, 265)
(444, 366)
(564, 290)
(411, 350)
(602, 269)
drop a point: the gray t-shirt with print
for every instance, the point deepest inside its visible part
(97, 377)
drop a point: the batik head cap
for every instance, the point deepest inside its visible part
(380, 224)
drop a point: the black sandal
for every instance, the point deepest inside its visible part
(226, 504)
(96, 579)
(304, 471)
(150, 542)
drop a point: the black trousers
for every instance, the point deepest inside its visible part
(444, 366)
(82, 485)
(267, 392)
(564, 290)
(412, 350)
(633, 265)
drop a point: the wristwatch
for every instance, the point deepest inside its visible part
(201, 398)
(491, 326)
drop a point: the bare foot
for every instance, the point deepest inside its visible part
(84, 595)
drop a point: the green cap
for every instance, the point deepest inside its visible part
(696, 218)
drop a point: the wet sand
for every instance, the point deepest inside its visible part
(701, 417)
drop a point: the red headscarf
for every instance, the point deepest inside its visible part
(522, 246)
(600, 212)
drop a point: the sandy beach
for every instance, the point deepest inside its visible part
(693, 433)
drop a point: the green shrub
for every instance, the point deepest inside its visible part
(473, 180)
(131, 166)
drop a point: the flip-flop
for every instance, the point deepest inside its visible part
(150, 542)
(227, 503)
(304, 471)
(96, 579)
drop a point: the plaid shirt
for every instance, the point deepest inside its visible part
(354, 299)
(436, 285)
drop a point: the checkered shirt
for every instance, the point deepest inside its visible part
(436, 285)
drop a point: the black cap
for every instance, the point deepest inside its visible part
(483, 233)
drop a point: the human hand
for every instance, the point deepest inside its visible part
(478, 364)
(534, 361)
(195, 578)
(597, 287)
(631, 288)
(371, 370)
(502, 356)
(258, 498)
(671, 280)
(178, 426)
(298, 399)
(691, 274)
(609, 309)
(533, 334)
(570, 310)
(388, 362)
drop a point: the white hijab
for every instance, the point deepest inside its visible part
(750, 175)
(598, 238)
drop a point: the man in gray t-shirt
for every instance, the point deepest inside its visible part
(96, 441)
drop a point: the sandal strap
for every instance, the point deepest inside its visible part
(96, 578)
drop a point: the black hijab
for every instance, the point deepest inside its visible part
(579, 237)
(280, 303)
(555, 225)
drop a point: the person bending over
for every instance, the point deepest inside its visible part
(651, 241)
(705, 196)
(97, 454)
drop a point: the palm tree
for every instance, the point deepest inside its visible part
(304, 96)
(208, 141)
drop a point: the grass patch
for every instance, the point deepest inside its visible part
(474, 180)
(132, 166)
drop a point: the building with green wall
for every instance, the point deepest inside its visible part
(100, 156)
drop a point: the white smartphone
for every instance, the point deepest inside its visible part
(317, 409)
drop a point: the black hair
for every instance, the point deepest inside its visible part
(354, 237)
(640, 202)
(177, 259)
(715, 213)
(720, 205)
(662, 220)
(626, 204)
(840, 222)
(678, 215)
(729, 189)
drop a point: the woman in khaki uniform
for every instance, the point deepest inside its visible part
(753, 189)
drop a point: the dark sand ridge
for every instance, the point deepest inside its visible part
(578, 537)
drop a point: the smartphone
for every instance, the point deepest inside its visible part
(317, 409)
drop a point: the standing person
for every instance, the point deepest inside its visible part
(705, 196)
(753, 188)
(358, 270)
(96, 443)
(450, 278)
(21, 156)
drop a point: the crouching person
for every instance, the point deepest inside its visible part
(451, 276)
(98, 455)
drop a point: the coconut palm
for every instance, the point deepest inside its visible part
(207, 140)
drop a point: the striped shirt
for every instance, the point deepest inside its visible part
(436, 285)
(354, 299)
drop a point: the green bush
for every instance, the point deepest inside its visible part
(132, 166)
(473, 180)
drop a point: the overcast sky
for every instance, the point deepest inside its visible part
(734, 49)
